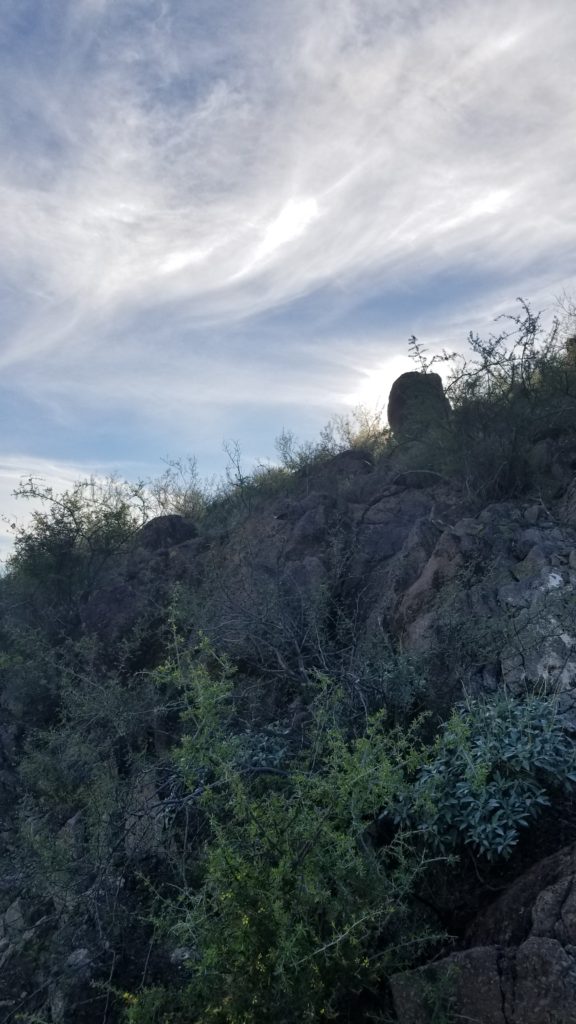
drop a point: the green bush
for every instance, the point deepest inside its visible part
(78, 815)
(71, 539)
(295, 906)
(492, 770)
(297, 900)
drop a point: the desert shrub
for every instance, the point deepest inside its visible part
(180, 490)
(295, 906)
(375, 673)
(29, 677)
(494, 767)
(269, 621)
(69, 541)
(80, 821)
(372, 671)
(92, 519)
(298, 898)
(516, 388)
(361, 428)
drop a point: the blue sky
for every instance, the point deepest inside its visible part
(224, 218)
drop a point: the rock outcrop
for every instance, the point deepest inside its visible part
(520, 967)
(417, 402)
(402, 553)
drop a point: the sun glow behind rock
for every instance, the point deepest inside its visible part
(375, 382)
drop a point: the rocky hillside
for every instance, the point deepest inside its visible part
(305, 750)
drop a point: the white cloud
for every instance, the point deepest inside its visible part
(170, 169)
(291, 223)
(176, 261)
(394, 133)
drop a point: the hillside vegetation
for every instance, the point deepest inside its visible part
(271, 744)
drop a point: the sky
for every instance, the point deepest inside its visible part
(224, 218)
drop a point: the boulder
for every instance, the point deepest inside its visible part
(534, 984)
(540, 903)
(416, 403)
(521, 964)
(464, 986)
(165, 532)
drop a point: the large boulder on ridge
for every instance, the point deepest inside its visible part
(417, 402)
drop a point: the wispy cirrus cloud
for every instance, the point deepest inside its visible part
(178, 181)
